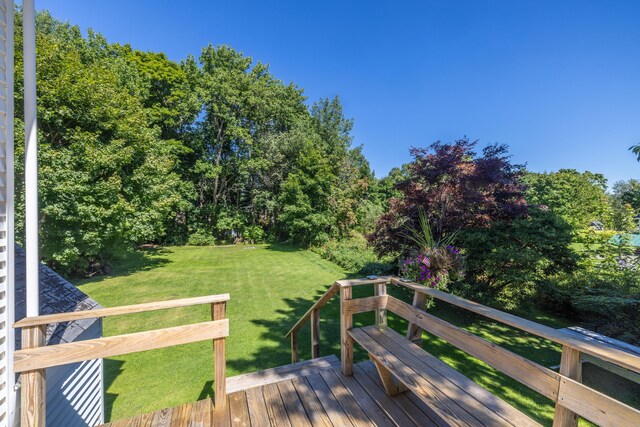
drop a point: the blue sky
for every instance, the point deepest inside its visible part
(558, 81)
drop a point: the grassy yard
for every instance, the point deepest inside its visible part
(270, 287)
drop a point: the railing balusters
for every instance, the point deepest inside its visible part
(381, 313)
(31, 360)
(414, 333)
(295, 355)
(315, 333)
(33, 383)
(218, 312)
(346, 323)
(571, 367)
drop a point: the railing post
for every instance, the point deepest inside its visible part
(414, 333)
(315, 333)
(571, 367)
(346, 323)
(33, 383)
(218, 312)
(381, 313)
(295, 355)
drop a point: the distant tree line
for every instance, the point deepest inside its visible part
(136, 148)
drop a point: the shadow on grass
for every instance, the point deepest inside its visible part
(112, 368)
(131, 263)
(285, 247)
(275, 346)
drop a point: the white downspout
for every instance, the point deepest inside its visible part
(31, 158)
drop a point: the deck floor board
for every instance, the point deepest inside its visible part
(321, 398)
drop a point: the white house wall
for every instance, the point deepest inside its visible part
(7, 379)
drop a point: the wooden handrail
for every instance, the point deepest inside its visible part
(116, 311)
(613, 355)
(35, 356)
(31, 359)
(333, 289)
(572, 398)
(312, 314)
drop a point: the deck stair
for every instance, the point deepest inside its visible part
(281, 373)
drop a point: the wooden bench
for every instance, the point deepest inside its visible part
(454, 398)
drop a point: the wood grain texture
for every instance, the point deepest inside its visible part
(315, 333)
(483, 405)
(380, 289)
(54, 355)
(348, 283)
(275, 407)
(539, 378)
(346, 323)
(280, 373)
(34, 382)
(414, 333)
(442, 404)
(364, 401)
(388, 405)
(295, 410)
(312, 405)
(162, 418)
(595, 406)
(571, 367)
(257, 407)
(295, 350)
(617, 356)
(388, 382)
(218, 313)
(334, 411)
(201, 414)
(239, 410)
(362, 305)
(115, 311)
(345, 399)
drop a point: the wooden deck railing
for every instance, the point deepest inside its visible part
(571, 397)
(313, 315)
(34, 357)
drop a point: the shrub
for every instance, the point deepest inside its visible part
(509, 260)
(354, 255)
(201, 238)
(254, 234)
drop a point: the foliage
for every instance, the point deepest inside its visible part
(137, 148)
(623, 216)
(201, 238)
(508, 261)
(430, 261)
(628, 193)
(354, 255)
(604, 292)
(456, 188)
(107, 180)
(636, 150)
(579, 198)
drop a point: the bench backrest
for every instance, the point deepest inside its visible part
(572, 398)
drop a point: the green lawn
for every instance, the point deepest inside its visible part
(270, 287)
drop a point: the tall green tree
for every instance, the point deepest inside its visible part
(106, 177)
(577, 197)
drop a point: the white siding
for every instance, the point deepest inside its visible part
(7, 379)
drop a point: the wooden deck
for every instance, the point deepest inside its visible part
(324, 397)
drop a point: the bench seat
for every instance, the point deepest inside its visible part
(453, 398)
